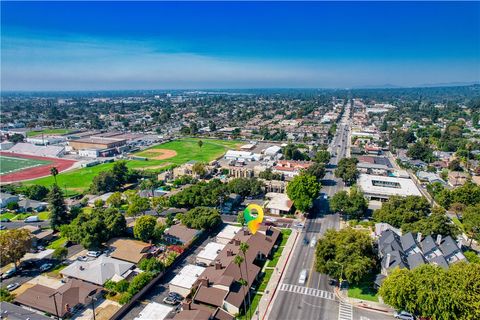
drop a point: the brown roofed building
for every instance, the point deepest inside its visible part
(180, 234)
(130, 250)
(219, 284)
(73, 293)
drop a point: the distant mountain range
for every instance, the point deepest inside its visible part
(426, 85)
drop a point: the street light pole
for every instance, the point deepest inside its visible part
(55, 303)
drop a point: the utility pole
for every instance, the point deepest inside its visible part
(55, 303)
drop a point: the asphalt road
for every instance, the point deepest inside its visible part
(315, 298)
(19, 224)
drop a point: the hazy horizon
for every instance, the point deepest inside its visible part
(94, 46)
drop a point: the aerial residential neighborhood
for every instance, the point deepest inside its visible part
(240, 160)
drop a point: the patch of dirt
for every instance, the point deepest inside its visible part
(156, 167)
(163, 153)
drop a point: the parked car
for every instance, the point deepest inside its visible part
(13, 286)
(26, 264)
(404, 315)
(303, 276)
(82, 258)
(94, 254)
(175, 296)
(201, 264)
(10, 272)
(171, 300)
(32, 219)
(2, 227)
(332, 282)
(45, 267)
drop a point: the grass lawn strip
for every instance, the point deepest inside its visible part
(265, 280)
(36, 133)
(57, 243)
(251, 309)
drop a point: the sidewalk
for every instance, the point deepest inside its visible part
(265, 302)
(342, 295)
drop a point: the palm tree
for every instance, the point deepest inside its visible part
(54, 173)
(244, 248)
(238, 261)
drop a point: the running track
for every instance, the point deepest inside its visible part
(36, 172)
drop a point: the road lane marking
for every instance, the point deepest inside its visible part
(307, 291)
(345, 311)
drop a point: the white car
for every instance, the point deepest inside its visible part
(303, 276)
(313, 242)
(82, 258)
(46, 267)
(403, 315)
(13, 286)
(94, 254)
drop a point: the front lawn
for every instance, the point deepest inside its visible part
(55, 272)
(276, 257)
(7, 215)
(44, 215)
(363, 291)
(57, 243)
(266, 278)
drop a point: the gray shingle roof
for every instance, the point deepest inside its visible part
(397, 259)
(428, 245)
(448, 246)
(415, 260)
(407, 241)
(440, 261)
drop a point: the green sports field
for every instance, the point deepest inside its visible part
(47, 131)
(12, 164)
(186, 149)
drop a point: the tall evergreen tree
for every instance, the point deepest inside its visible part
(58, 210)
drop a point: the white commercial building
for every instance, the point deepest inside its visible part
(272, 151)
(382, 188)
(227, 234)
(183, 282)
(210, 253)
(242, 155)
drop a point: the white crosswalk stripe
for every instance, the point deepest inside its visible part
(307, 291)
(345, 311)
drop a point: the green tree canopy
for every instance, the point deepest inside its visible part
(206, 194)
(400, 210)
(322, 156)
(14, 244)
(91, 229)
(347, 170)
(144, 228)
(352, 203)
(431, 291)
(303, 190)
(317, 170)
(137, 205)
(346, 254)
(422, 151)
(436, 223)
(245, 186)
(59, 214)
(471, 221)
(201, 218)
(36, 192)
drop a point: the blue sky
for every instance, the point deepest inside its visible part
(161, 45)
